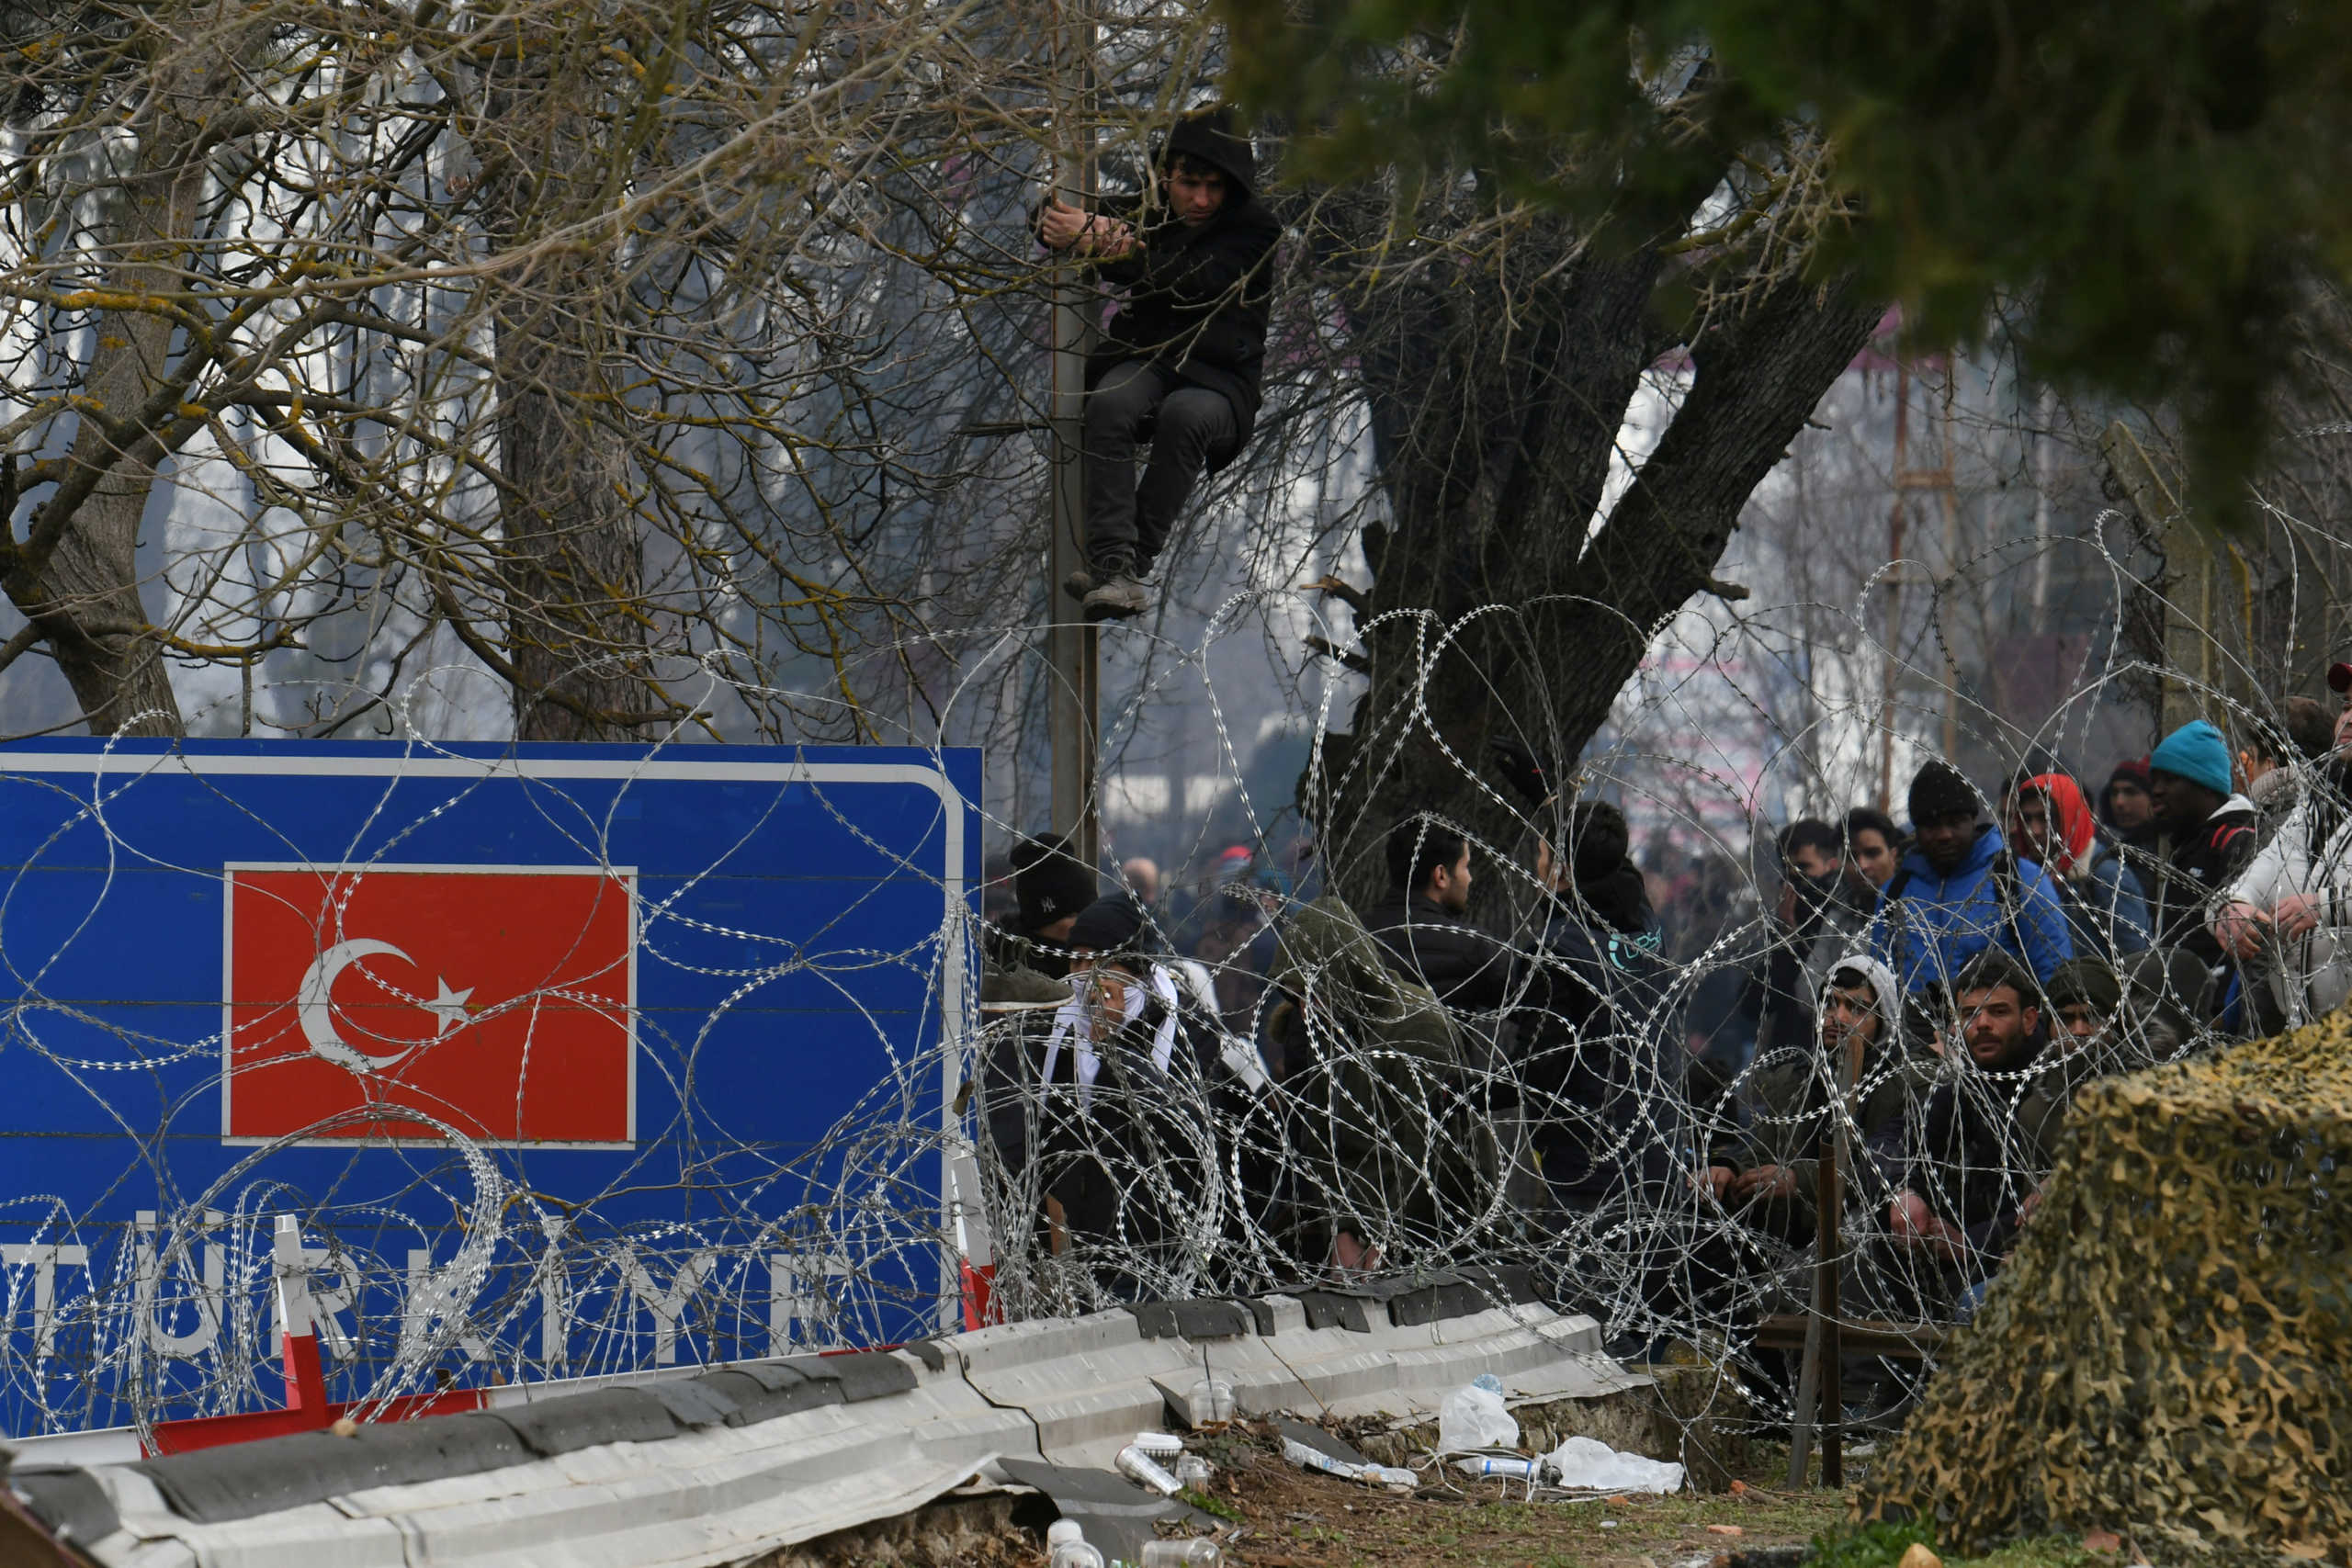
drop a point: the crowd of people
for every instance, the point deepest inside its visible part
(1269, 1085)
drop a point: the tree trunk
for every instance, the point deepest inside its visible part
(1498, 609)
(74, 575)
(573, 567)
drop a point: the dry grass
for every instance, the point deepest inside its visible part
(1294, 1518)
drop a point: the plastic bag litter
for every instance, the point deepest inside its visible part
(1473, 1417)
(1590, 1465)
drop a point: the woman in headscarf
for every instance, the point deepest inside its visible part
(2051, 824)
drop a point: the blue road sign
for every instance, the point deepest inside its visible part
(568, 1059)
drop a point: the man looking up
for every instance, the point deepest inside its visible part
(1960, 892)
(2211, 831)
(1180, 362)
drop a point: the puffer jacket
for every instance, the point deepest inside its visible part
(1929, 924)
(2310, 855)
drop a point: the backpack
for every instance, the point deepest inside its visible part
(1383, 1106)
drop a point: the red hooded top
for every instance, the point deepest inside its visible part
(2076, 829)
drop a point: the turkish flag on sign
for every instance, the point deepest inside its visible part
(496, 1001)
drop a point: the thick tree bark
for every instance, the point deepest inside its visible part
(572, 566)
(1497, 608)
(74, 574)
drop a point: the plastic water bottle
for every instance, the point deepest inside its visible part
(1392, 1476)
(1195, 1553)
(1066, 1546)
(1516, 1469)
(1211, 1402)
(1134, 1462)
(1194, 1472)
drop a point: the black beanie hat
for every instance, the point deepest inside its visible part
(1113, 923)
(2086, 980)
(1049, 884)
(1938, 789)
(1598, 839)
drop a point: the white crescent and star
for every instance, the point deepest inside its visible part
(315, 1005)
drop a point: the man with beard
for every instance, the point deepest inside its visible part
(1969, 1173)
(2285, 917)
(1424, 924)
(1772, 1175)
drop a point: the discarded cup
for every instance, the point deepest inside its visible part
(1066, 1546)
(1158, 1443)
(1211, 1402)
(1141, 1466)
(1194, 1472)
(1193, 1553)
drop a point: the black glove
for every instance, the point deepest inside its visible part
(1521, 768)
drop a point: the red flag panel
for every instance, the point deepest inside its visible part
(497, 1000)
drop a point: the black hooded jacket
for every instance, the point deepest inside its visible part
(1593, 1069)
(1443, 949)
(1197, 294)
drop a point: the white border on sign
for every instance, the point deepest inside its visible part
(624, 875)
(443, 765)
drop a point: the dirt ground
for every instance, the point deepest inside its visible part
(1290, 1518)
(1296, 1518)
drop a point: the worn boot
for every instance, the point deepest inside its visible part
(1078, 583)
(1119, 592)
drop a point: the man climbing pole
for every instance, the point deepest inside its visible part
(1179, 364)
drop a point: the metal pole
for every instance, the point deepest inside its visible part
(1820, 1414)
(1947, 497)
(1071, 643)
(2188, 569)
(1893, 589)
(1829, 1243)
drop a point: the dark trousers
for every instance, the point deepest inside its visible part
(1189, 426)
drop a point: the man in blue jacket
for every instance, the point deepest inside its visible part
(1960, 891)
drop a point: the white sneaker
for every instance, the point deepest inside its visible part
(1119, 596)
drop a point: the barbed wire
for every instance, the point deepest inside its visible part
(551, 376)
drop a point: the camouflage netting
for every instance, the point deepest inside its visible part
(2166, 1354)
